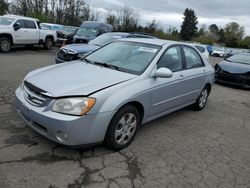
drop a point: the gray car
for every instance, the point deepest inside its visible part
(110, 93)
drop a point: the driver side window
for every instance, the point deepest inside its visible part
(171, 59)
(21, 23)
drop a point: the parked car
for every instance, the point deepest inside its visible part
(110, 93)
(50, 26)
(66, 34)
(219, 52)
(202, 49)
(77, 51)
(19, 30)
(210, 49)
(234, 70)
(89, 30)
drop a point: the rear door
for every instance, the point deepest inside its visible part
(32, 31)
(194, 73)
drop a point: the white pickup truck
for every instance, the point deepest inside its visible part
(19, 30)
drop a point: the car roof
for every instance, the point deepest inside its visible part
(19, 17)
(159, 42)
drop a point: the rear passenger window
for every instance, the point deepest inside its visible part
(29, 24)
(193, 59)
(200, 48)
(171, 59)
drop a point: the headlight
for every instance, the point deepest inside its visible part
(73, 106)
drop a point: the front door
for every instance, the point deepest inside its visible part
(167, 93)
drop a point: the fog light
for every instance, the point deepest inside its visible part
(61, 136)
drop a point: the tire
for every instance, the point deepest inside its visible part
(123, 128)
(48, 44)
(5, 44)
(202, 99)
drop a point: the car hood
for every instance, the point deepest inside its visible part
(76, 78)
(4, 26)
(237, 68)
(82, 48)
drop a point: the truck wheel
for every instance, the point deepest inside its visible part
(48, 44)
(5, 45)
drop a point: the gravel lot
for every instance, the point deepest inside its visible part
(210, 148)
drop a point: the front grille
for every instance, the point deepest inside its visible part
(229, 77)
(66, 56)
(33, 97)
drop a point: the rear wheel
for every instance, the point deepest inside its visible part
(5, 44)
(202, 99)
(122, 128)
(48, 44)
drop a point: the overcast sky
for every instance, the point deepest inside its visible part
(169, 12)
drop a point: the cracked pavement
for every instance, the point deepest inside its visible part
(210, 148)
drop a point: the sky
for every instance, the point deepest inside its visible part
(170, 13)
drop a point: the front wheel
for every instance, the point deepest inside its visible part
(5, 45)
(48, 44)
(122, 128)
(202, 99)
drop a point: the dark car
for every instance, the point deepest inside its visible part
(76, 51)
(66, 34)
(89, 30)
(234, 70)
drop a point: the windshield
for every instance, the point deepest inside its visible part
(129, 57)
(105, 39)
(240, 58)
(69, 29)
(6, 20)
(87, 32)
(50, 27)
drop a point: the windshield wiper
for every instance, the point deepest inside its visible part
(106, 65)
(86, 60)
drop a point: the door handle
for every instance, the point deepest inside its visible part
(25, 31)
(181, 77)
(203, 71)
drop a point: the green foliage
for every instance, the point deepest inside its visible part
(245, 43)
(3, 7)
(41, 17)
(233, 34)
(189, 25)
(204, 40)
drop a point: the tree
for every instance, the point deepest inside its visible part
(123, 19)
(213, 28)
(3, 7)
(245, 43)
(151, 27)
(202, 30)
(233, 34)
(189, 25)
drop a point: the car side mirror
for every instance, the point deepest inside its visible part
(163, 73)
(16, 26)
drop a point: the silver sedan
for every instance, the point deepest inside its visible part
(110, 93)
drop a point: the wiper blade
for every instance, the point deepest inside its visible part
(86, 60)
(107, 65)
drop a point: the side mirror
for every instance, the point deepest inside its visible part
(163, 73)
(16, 26)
